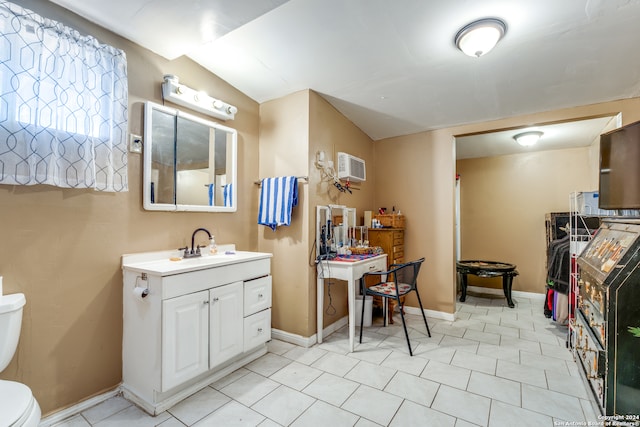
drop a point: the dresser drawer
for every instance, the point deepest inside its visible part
(257, 329)
(257, 295)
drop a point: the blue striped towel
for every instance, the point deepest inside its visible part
(227, 194)
(277, 198)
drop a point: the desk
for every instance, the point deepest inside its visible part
(350, 272)
(487, 269)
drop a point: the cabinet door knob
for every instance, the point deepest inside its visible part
(205, 302)
(216, 299)
(260, 330)
(260, 296)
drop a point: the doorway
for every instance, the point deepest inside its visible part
(504, 191)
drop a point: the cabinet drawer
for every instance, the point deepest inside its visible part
(200, 280)
(257, 295)
(398, 241)
(398, 234)
(257, 329)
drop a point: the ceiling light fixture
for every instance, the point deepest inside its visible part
(527, 139)
(180, 94)
(479, 37)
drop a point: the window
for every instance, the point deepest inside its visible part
(63, 113)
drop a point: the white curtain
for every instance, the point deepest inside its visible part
(63, 110)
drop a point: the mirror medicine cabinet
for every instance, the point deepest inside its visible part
(190, 164)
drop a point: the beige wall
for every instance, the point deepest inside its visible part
(62, 247)
(420, 169)
(292, 130)
(415, 173)
(284, 148)
(331, 132)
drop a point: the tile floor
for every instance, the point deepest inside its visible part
(494, 366)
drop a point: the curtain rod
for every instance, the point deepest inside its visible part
(304, 178)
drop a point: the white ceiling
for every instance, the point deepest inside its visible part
(391, 67)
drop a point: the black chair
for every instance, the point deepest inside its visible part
(394, 284)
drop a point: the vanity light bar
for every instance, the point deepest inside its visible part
(183, 95)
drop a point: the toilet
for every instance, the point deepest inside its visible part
(18, 407)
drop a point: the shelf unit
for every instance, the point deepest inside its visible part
(578, 241)
(605, 268)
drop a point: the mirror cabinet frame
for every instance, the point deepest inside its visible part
(148, 152)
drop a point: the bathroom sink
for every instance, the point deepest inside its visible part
(171, 262)
(207, 259)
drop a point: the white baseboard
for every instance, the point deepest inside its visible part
(430, 313)
(308, 341)
(78, 408)
(335, 326)
(299, 340)
(496, 291)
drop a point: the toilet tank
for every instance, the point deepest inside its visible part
(10, 324)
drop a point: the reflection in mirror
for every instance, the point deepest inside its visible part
(162, 189)
(190, 163)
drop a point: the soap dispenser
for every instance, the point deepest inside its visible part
(213, 249)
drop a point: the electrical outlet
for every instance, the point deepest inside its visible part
(135, 143)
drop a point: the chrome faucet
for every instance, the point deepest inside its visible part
(194, 252)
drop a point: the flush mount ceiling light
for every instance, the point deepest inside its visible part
(527, 139)
(479, 37)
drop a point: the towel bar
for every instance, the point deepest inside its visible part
(304, 178)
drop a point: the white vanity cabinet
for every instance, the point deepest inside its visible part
(185, 338)
(226, 323)
(201, 320)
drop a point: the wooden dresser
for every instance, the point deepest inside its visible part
(391, 240)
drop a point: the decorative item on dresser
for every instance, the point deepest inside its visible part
(391, 220)
(391, 240)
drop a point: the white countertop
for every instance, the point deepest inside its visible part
(166, 263)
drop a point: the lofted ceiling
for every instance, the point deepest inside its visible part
(391, 67)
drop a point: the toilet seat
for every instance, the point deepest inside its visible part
(17, 405)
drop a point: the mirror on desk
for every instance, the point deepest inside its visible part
(334, 227)
(190, 164)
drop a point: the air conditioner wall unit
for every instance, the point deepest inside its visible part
(351, 168)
